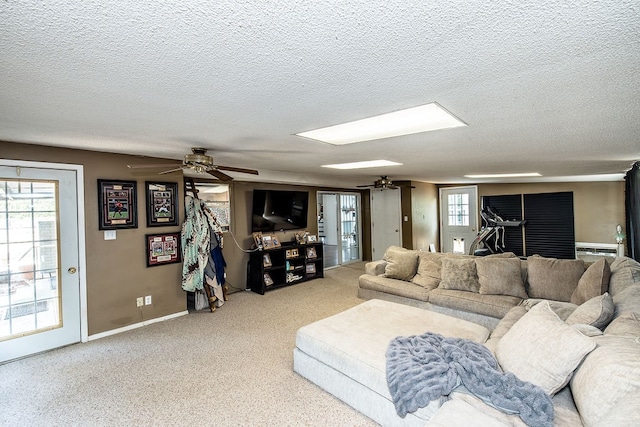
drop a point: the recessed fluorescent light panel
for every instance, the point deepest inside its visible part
(404, 122)
(504, 175)
(362, 165)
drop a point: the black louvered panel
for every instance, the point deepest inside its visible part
(509, 207)
(549, 230)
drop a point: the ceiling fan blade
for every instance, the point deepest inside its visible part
(155, 166)
(221, 176)
(234, 169)
(363, 186)
(170, 170)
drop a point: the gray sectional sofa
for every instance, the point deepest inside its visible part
(584, 354)
(479, 289)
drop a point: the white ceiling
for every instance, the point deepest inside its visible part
(545, 86)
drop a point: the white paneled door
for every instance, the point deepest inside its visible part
(458, 218)
(39, 260)
(385, 221)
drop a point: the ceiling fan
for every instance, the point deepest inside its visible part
(199, 162)
(385, 183)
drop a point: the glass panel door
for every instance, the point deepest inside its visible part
(29, 297)
(349, 227)
(39, 260)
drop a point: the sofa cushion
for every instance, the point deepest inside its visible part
(562, 309)
(460, 274)
(500, 276)
(598, 312)
(429, 268)
(489, 305)
(628, 299)
(393, 287)
(627, 324)
(594, 282)
(542, 349)
(607, 384)
(553, 279)
(401, 264)
(624, 272)
(375, 268)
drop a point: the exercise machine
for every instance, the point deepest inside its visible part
(490, 239)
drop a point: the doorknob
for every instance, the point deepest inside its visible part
(72, 270)
(396, 230)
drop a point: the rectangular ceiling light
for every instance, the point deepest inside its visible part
(404, 122)
(504, 175)
(362, 165)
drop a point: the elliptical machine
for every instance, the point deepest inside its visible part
(490, 239)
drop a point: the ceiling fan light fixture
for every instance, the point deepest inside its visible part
(423, 118)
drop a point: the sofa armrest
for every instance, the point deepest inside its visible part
(375, 268)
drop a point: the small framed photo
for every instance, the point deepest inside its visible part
(311, 253)
(311, 269)
(268, 281)
(257, 239)
(162, 203)
(117, 204)
(312, 238)
(266, 260)
(276, 242)
(267, 241)
(163, 249)
(292, 253)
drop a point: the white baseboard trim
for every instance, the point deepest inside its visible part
(136, 325)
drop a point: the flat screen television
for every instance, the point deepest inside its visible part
(275, 210)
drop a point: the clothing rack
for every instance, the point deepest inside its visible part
(190, 187)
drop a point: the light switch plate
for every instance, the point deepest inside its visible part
(109, 234)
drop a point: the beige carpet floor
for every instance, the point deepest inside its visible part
(233, 367)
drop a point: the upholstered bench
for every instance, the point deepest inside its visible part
(345, 354)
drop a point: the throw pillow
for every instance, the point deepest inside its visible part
(500, 276)
(624, 272)
(606, 386)
(598, 312)
(628, 299)
(401, 264)
(542, 349)
(594, 282)
(553, 279)
(627, 324)
(459, 274)
(429, 270)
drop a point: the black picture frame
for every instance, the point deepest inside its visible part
(162, 203)
(163, 248)
(117, 204)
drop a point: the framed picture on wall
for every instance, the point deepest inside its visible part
(163, 249)
(117, 205)
(162, 203)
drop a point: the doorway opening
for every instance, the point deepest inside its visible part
(339, 225)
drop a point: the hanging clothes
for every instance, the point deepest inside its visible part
(200, 233)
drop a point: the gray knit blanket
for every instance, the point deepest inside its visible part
(422, 368)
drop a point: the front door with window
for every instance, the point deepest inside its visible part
(39, 280)
(458, 217)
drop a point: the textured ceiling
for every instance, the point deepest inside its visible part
(545, 86)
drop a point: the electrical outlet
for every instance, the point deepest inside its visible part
(147, 300)
(139, 302)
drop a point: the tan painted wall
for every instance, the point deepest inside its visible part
(117, 272)
(598, 206)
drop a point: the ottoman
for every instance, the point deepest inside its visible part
(345, 354)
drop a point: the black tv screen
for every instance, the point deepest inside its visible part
(275, 210)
